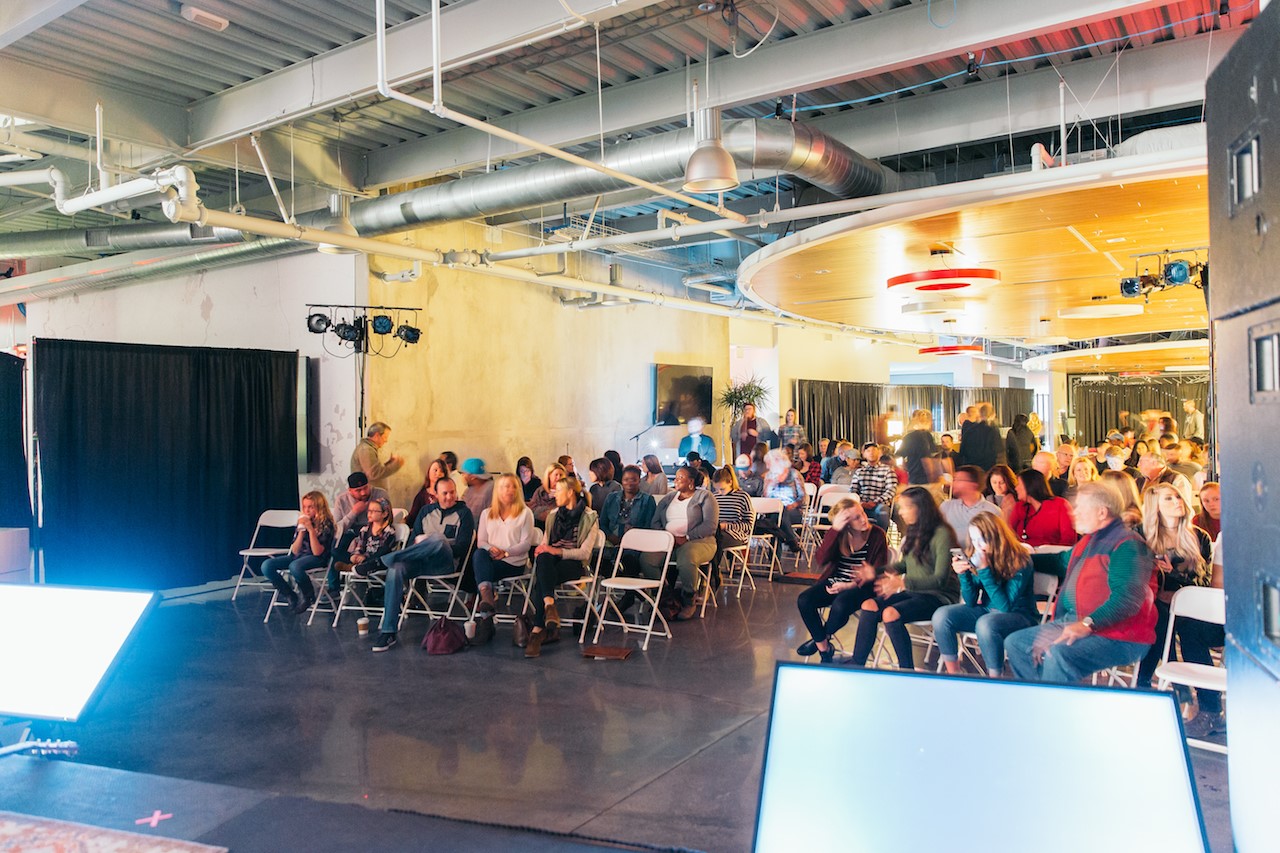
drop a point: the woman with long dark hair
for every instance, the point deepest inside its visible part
(997, 585)
(1002, 488)
(916, 585)
(529, 481)
(852, 552)
(1040, 518)
(655, 479)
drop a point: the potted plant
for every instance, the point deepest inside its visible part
(736, 395)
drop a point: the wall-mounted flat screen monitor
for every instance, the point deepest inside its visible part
(681, 392)
(868, 760)
(59, 644)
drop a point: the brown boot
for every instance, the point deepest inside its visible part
(533, 648)
(552, 615)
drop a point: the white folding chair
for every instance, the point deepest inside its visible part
(767, 508)
(422, 587)
(272, 519)
(839, 488)
(739, 554)
(399, 514)
(1207, 605)
(649, 591)
(583, 588)
(520, 584)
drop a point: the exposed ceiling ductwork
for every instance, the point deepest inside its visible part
(119, 238)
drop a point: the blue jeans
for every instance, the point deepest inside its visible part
(432, 556)
(1063, 664)
(488, 570)
(297, 566)
(991, 626)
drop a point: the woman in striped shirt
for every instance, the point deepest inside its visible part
(852, 553)
(737, 516)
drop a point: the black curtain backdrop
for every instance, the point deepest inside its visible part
(1098, 407)
(15, 500)
(156, 461)
(848, 410)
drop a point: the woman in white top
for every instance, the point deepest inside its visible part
(503, 541)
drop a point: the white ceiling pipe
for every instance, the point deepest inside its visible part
(437, 108)
(268, 228)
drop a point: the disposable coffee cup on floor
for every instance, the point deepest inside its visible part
(362, 625)
(469, 628)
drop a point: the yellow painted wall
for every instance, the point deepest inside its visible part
(503, 370)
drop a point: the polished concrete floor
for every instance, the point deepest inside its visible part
(664, 748)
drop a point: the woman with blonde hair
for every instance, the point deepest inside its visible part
(310, 550)
(997, 589)
(1126, 488)
(544, 497)
(503, 540)
(918, 449)
(1083, 470)
(1183, 553)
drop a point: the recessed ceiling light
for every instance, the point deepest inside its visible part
(201, 18)
(1115, 239)
(822, 272)
(1101, 311)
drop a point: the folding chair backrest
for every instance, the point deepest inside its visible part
(1199, 602)
(275, 518)
(810, 494)
(598, 541)
(767, 506)
(827, 488)
(399, 514)
(648, 542)
(830, 499)
(402, 534)
(1045, 585)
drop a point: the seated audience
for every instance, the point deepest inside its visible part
(655, 479)
(1104, 615)
(810, 469)
(916, 585)
(623, 510)
(836, 460)
(750, 476)
(1002, 489)
(350, 511)
(544, 497)
(998, 590)
(1083, 470)
(852, 552)
(1047, 464)
(1183, 557)
(1122, 482)
(616, 458)
(783, 483)
(479, 494)
(375, 540)
(1039, 518)
(450, 460)
(529, 481)
(1209, 519)
(1181, 462)
(309, 550)
(441, 539)
(503, 540)
(1195, 640)
(1152, 469)
(966, 501)
(564, 556)
(1113, 458)
(736, 517)
(875, 484)
(436, 471)
(844, 465)
(566, 462)
(691, 516)
(600, 476)
(1139, 449)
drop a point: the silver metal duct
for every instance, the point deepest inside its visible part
(116, 238)
(765, 145)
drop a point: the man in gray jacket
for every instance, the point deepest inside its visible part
(691, 515)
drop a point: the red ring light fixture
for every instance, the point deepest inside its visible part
(929, 281)
(953, 349)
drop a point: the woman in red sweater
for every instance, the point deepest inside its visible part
(1039, 518)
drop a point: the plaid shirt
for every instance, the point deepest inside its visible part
(875, 484)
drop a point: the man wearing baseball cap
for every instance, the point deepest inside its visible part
(479, 493)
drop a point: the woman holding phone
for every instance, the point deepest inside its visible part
(997, 589)
(853, 551)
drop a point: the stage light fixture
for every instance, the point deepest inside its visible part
(408, 334)
(1177, 272)
(318, 323)
(1131, 288)
(349, 332)
(382, 324)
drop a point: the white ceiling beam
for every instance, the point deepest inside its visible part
(147, 133)
(19, 18)
(876, 44)
(1160, 77)
(469, 32)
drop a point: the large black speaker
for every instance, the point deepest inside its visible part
(1243, 115)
